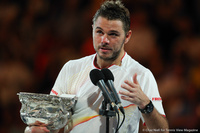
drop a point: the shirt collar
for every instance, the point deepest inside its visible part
(113, 66)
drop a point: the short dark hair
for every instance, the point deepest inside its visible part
(114, 10)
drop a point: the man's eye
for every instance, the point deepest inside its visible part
(100, 32)
(113, 34)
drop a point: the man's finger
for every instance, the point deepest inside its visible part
(135, 78)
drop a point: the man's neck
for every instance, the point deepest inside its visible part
(100, 63)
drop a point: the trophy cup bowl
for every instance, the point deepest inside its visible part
(50, 110)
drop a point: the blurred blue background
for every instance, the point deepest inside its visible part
(38, 36)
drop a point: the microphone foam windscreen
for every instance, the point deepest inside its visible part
(96, 75)
(108, 74)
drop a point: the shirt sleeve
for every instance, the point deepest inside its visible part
(150, 88)
(60, 83)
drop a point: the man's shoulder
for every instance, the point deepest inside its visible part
(132, 66)
(87, 60)
(131, 63)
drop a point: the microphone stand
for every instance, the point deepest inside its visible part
(108, 111)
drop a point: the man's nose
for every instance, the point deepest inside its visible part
(105, 39)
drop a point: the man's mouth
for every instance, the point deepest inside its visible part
(105, 49)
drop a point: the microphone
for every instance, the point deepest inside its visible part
(97, 79)
(109, 78)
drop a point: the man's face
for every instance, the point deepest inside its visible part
(108, 38)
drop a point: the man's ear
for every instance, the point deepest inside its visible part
(128, 36)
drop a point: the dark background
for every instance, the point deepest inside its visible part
(38, 36)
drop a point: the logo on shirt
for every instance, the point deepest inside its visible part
(156, 99)
(54, 92)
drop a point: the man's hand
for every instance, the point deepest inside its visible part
(134, 93)
(37, 127)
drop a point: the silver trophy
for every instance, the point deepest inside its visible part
(48, 110)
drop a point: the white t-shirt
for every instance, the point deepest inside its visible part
(74, 79)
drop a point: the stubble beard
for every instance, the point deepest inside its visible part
(114, 55)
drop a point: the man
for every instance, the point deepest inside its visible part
(134, 83)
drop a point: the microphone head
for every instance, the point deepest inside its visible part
(108, 74)
(96, 75)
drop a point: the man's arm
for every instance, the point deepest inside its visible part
(153, 120)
